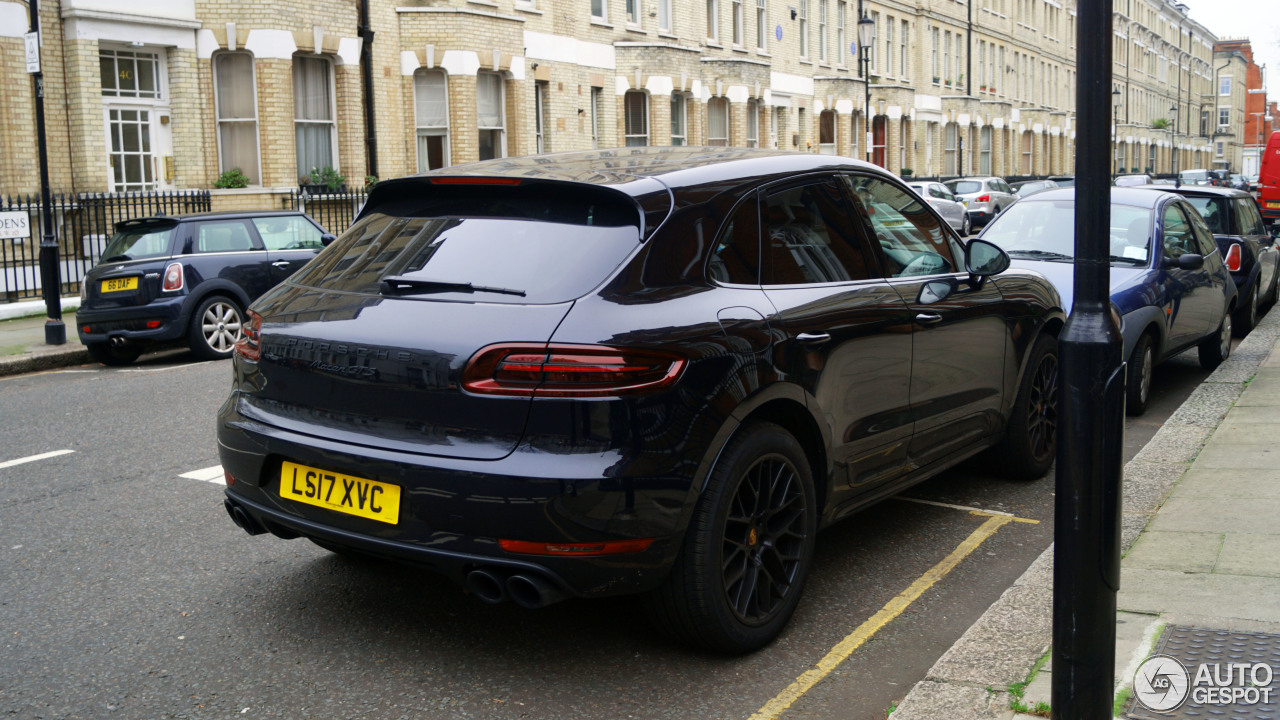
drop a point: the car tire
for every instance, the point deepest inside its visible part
(1247, 316)
(1030, 443)
(215, 328)
(741, 568)
(1217, 347)
(114, 355)
(1138, 381)
(966, 226)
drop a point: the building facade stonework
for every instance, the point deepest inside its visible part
(169, 94)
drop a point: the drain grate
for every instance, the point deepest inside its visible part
(1194, 647)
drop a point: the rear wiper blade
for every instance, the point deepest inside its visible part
(397, 285)
(114, 258)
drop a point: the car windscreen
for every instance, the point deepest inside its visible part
(140, 242)
(1214, 211)
(487, 248)
(1045, 230)
(961, 187)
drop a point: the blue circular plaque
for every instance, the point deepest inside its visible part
(853, 48)
(778, 31)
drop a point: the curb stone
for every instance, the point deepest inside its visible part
(970, 680)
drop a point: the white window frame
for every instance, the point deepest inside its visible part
(888, 45)
(717, 105)
(904, 67)
(597, 95)
(713, 21)
(804, 29)
(644, 115)
(1224, 116)
(161, 96)
(603, 15)
(753, 123)
(333, 109)
(822, 31)
(1219, 147)
(633, 12)
(739, 22)
(218, 119)
(1224, 85)
(762, 26)
(539, 111)
(842, 9)
(500, 149)
(431, 130)
(680, 108)
(664, 15)
(823, 118)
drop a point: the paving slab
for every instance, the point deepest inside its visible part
(1264, 391)
(1250, 554)
(1185, 551)
(1207, 515)
(1239, 457)
(1257, 484)
(1210, 595)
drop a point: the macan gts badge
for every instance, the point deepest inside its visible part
(659, 371)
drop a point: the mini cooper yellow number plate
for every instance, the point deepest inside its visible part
(118, 284)
(342, 493)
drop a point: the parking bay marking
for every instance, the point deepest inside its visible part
(33, 458)
(210, 475)
(966, 508)
(892, 609)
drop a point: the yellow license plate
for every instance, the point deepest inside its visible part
(1273, 204)
(342, 493)
(118, 284)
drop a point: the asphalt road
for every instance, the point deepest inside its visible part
(127, 592)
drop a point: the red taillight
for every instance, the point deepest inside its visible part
(529, 369)
(172, 277)
(153, 324)
(475, 181)
(1233, 257)
(614, 547)
(984, 198)
(86, 329)
(247, 346)
(230, 480)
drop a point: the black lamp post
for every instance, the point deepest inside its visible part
(866, 36)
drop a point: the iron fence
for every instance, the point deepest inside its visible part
(82, 224)
(335, 210)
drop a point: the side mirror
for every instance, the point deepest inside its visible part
(326, 239)
(935, 291)
(1189, 261)
(983, 258)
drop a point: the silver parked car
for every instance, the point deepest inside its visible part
(1030, 187)
(950, 207)
(984, 197)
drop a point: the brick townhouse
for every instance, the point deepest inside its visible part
(164, 94)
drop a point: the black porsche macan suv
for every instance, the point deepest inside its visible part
(650, 370)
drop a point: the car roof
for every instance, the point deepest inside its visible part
(1140, 196)
(221, 215)
(1201, 190)
(622, 168)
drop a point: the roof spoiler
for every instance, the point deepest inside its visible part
(139, 222)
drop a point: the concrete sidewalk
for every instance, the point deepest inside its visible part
(22, 347)
(1201, 534)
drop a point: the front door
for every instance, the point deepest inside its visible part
(958, 345)
(1191, 292)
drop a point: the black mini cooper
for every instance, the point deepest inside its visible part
(650, 370)
(187, 279)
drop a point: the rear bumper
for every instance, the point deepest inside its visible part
(454, 511)
(980, 216)
(128, 323)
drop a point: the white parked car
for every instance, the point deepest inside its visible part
(984, 197)
(950, 207)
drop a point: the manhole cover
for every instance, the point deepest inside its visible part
(1223, 676)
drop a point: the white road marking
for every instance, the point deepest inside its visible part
(210, 474)
(966, 508)
(33, 458)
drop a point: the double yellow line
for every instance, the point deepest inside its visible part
(892, 609)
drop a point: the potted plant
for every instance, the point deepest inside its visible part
(948, 82)
(907, 172)
(936, 79)
(233, 178)
(323, 180)
(1160, 123)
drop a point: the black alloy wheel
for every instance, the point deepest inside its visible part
(764, 540)
(1030, 442)
(748, 548)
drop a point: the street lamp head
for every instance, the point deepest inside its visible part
(866, 31)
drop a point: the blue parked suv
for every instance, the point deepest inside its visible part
(188, 279)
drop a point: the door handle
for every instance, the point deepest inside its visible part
(928, 318)
(281, 264)
(813, 338)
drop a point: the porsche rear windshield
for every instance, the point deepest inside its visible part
(507, 244)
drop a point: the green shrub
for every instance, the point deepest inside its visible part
(232, 178)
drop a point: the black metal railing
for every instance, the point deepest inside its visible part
(335, 210)
(82, 224)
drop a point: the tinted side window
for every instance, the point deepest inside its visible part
(223, 236)
(290, 232)
(1250, 219)
(736, 258)
(809, 237)
(1204, 238)
(1178, 237)
(914, 243)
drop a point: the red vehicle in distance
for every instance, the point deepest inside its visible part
(1269, 180)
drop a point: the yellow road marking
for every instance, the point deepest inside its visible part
(892, 609)
(973, 510)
